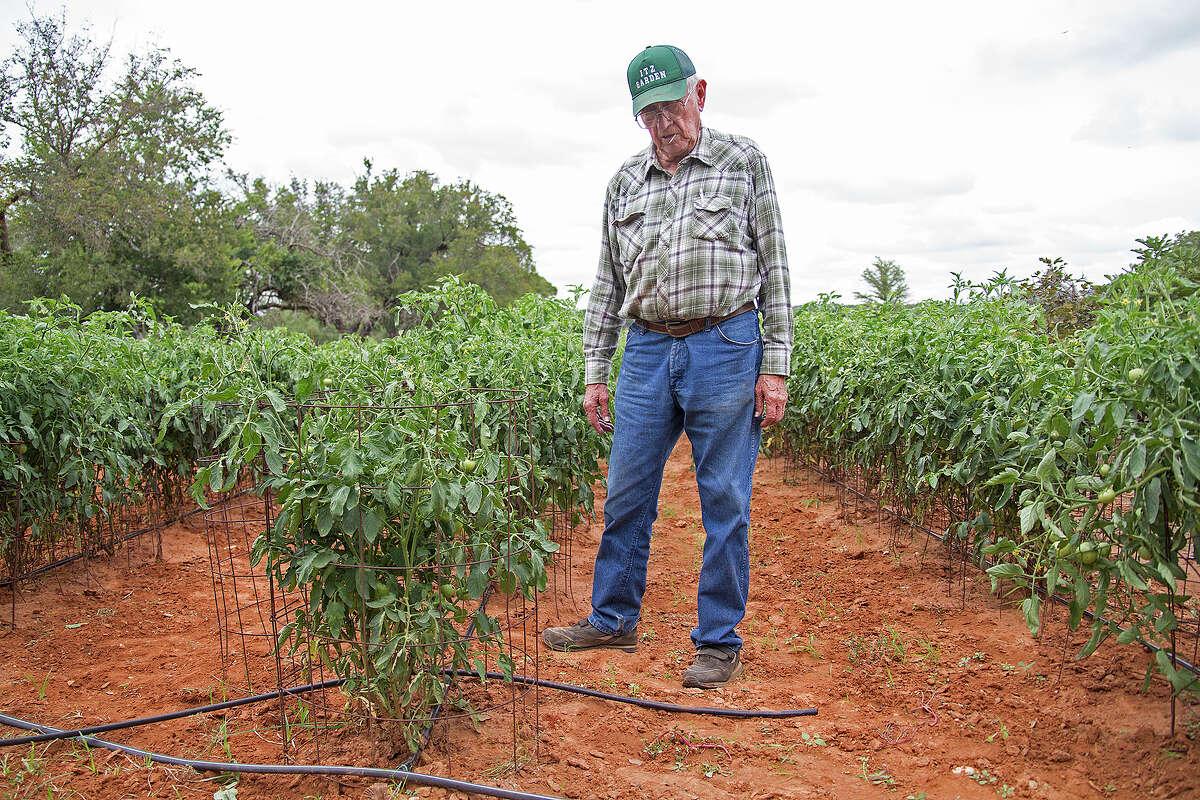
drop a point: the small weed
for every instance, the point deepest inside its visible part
(984, 778)
(930, 654)
(1191, 728)
(980, 776)
(878, 777)
(977, 656)
(825, 613)
(810, 648)
(220, 740)
(41, 687)
(28, 777)
(509, 767)
(885, 647)
(1020, 665)
(811, 740)
(635, 690)
(682, 744)
(1002, 733)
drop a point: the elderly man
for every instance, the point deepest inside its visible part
(691, 254)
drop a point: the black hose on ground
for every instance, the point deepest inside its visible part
(419, 778)
(187, 712)
(47, 733)
(656, 705)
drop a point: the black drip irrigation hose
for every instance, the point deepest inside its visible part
(656, 705)
(405, 773)
(419, 778)
(1178, 662)
(187, 712)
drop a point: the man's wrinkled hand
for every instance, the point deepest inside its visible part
(595, 405)
(770, 398)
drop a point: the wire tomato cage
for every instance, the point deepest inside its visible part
(91, 515)
(942, 515)
(394, 547)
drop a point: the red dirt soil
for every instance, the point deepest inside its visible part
(921, 694)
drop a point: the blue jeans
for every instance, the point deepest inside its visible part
(702, 384)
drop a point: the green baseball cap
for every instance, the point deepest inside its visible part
(657, 74)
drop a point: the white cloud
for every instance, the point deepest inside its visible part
(945, 135)
(886, 189)
(1129, 120)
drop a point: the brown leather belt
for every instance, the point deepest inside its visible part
(687, 327)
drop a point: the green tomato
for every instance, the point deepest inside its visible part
(448, 592)
(1136, 374)
(467, 465)
(1107, 496)
(1088, 557)
(1104, 470)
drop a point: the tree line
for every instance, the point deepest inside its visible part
(112, 183)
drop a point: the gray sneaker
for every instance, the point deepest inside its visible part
(714, 666)
(582, 636)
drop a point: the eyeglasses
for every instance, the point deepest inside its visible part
(650, 117)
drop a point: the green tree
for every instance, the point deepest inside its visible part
(886, 282)
(110, 191)
(346, 256)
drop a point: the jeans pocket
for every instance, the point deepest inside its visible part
(737, 332)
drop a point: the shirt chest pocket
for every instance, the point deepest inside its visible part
(629, 230)
(713, 219)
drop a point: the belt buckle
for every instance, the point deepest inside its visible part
(668, 324)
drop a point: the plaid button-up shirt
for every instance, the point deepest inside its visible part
(701, 243)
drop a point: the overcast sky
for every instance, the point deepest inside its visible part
(948, 136)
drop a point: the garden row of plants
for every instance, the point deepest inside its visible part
(81, 400)
(1070, 453)
(409, 474)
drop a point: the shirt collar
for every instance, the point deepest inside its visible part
(701, 152)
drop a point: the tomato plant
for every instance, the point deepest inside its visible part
(1069, 458)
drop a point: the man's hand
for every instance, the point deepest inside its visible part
(595, 405)
(770, 398)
